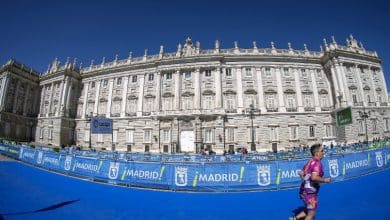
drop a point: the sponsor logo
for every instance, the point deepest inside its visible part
(379, 158)
(142, 174)
(87, 166)
(263, 175)
(181, 176)
(51, 160)
(333, 168)
(68, 162)
(290, 174)
(356, 164)
(219, 177)
(113, 171)
(40, 155)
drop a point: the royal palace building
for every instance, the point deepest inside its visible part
(219, 99)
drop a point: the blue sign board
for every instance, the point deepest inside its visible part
(101, 125)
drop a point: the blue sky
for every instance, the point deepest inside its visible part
(35, 32)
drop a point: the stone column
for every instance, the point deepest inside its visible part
(158, 92)
(373, 87)
(359, 84)
(42, 107)
(3, 91)
(260, 90)
(177, 91)
(298, 90)
(343, 79)
(315, 91)
(50, 99)
(197, 89)
(384, 89)
(282, 107)
(218, 88)
(26, 95)
(336, 85)
(96, 104)
(62, 94)
(330, 95)
(240, 101)
(109, 102)
(124, 95)
(16, 96)
(85, 100)
(140, 95)
(69, 94)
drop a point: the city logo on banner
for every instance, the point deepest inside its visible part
(263, 175)
(181, 176)
(68, 162)
(113, 171)
(39, 159)
(379, 159)
(333, 168)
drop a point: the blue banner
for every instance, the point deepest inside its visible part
(101, 125)
(203, 176)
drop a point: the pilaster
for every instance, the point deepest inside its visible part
(315, 91)
(85, 100)
(218, 90)
(260, 90)
(158, 91)
(298, 90)
(359, 84)
(109, 102)
(197, 89)
(96, 104)
(282, 107)
(177, 91)
(124, 95)
(16, 96)
(27, 93)
(240, 101)
(140, 95)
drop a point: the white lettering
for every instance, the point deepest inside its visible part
(290, 174)
(29, 155)
(356, 164)
(143, 174)
(218, 177)
(87, 166)
(50, 160)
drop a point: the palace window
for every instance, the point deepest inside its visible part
(166, 136)
(92, 85)
(150, 76)
(286, 72)
(230, 102)
(270, 102)
(311, 131)
(208, 102)
(307, 101)
(132, 105)
(134, 79)
(168, 76)
(147, 136)
(228, 72)
(248, 72)
(187, 74)
(187, 102)
(130, 136)
(207, 73)
(42, 132)
(293, 132)
(230, 135)
(267, 72)
(149, 105)
(374, 125)
(290, 101)
(304, 73)
(387, 127)
(119, 81)
(102, 108)
(274, 136)
(167, 103)
(324, 101)
(329, 130)
(105, 82)
(250, 100)
(361, 128)
(208, 135)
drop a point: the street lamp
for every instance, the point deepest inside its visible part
(89, 119)
(364, 115)
(252, 115)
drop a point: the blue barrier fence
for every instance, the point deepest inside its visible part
(216, 177)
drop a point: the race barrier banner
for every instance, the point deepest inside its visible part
(214, 177)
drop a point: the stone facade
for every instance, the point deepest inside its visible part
(193, 99)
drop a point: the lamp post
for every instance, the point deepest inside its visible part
(89, 119)
(252, 115)
(364, 115)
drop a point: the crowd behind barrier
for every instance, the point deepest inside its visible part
(194, 173)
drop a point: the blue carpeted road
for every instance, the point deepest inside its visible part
(30, 193)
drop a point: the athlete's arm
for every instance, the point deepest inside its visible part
(316, 178)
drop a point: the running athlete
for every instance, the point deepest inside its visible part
(312, 176)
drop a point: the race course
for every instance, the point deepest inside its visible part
(27, 192)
